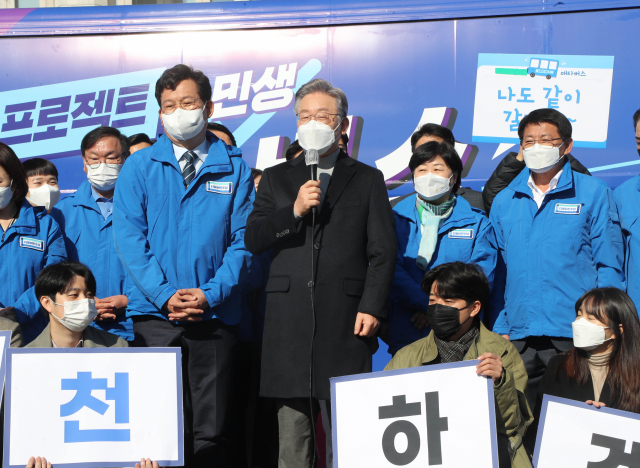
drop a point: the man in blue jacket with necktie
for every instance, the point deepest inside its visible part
(180, 211)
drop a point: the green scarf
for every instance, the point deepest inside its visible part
(431, 217)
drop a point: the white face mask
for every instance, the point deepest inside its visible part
(6, 194)
(540, 159)
(184, 124)
(587, 335)
(45, 195)
(103, 176)
(78, 315)
(431, 186)
(316, 137)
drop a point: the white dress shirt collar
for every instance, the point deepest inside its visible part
(538, 195)
(202, 151)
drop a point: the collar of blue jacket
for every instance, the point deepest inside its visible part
(85, 197)
(217, 161)
(520, 183)
(462, 215)
(26, 222)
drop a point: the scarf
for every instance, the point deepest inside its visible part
(431, 218)
(455, 351)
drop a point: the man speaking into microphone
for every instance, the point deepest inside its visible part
(353, 253)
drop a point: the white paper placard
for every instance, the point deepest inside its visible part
(93, 407)
(415, 417)
(572, 434)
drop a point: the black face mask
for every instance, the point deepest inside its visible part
(444, 320)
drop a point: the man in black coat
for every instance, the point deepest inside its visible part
(354, 253)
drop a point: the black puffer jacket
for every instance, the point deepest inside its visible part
(507, 170)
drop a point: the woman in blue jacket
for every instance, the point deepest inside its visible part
(433, 228)
(29, 239)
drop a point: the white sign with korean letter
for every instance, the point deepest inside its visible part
(93, 407)
(415, 418)
(572, 434)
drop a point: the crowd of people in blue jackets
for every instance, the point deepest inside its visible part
(543, 232)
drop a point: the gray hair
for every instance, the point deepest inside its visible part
(322, 86)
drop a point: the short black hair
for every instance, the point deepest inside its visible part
(211, 126)
(636, 117)
(256, 172)
(173, 76)
(10, 163)
(56, 279)
(39, 167)
(428, 151)
(345, 138)
(293, 150)
(435, 130)
(139, 138)
(457, 280)
(97, 134)
(550, 116)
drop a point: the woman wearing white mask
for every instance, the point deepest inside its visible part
(603, 368)
(29, 238)
(433, 227)
(66, 292)
(42, 179)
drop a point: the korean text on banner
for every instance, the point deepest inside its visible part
(414, 417)
(573, 434)
(94, 407)
(509, 86)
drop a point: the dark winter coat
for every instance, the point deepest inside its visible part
(354, 251)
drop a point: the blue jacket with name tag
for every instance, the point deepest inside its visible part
(554, 254)
(627, 198)
(466, 236)
(171, 238)
(30, 244)
(89, 239)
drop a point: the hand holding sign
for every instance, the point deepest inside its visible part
(490, 366)
(415, 417)
(146, 464)
(39, 462)
(573, 434)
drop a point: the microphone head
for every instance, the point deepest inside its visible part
(311, 156)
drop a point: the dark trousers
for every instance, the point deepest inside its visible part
(208, 352)
(536, 351)
(295, 432)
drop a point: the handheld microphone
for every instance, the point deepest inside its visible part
(311, 158)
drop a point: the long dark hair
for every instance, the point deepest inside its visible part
(10, 162)
(613, 307)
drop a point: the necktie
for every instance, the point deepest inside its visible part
(189, 171)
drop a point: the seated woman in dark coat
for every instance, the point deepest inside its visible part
(603, 368)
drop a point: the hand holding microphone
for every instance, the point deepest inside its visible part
(308, 197)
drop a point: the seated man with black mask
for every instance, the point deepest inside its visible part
(457, 293)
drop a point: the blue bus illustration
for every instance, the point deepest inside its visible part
(544, 67)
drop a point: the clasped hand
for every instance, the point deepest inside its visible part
(187, 305)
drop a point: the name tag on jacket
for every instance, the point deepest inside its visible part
(35, 244)
(225, 188)
(562, 208)
(461, 234)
